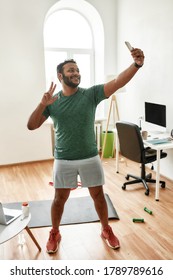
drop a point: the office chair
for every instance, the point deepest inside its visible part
(132, 147)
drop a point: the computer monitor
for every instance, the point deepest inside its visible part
(155, 114)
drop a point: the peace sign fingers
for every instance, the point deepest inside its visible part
(51, 89)
(48, 97)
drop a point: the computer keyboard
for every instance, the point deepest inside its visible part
(8, 217)
(156, 141)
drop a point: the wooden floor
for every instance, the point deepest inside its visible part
(151, 240)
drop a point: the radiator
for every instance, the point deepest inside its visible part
(98, 130)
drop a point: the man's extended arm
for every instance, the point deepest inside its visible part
(125, 76)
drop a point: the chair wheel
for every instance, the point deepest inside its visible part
(127, 177)
(149, 176)
(123, 187)
(147, 192)
(163, 185)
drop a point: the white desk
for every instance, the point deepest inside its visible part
(157, 147)
(9, 231)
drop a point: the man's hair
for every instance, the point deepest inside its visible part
(60, 66)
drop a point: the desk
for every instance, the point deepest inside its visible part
(157, 147)
(9, 231)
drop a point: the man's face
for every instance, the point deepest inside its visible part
(71, 76)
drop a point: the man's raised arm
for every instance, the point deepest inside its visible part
(37, 118)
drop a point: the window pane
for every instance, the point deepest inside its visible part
(83, 62)
(67, 29)
(52, 59)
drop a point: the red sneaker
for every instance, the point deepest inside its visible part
(109, 237)
(53, 242)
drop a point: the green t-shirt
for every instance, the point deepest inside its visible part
(73, 117)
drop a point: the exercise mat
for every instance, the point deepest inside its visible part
(77, 210)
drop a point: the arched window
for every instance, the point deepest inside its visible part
(75, 32)
(67, 35)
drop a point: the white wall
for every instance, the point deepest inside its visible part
(147, 24)
(22, 80)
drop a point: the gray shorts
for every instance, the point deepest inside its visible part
(66, 173)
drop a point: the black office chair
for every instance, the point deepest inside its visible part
(132, 147)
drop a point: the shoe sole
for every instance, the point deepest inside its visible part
(51, 251)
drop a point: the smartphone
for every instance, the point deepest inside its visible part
(129, 46)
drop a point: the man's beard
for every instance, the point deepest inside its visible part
(69, 83)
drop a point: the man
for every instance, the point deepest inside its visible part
(73, 113)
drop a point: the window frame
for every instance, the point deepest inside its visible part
(70, 55)
(95, 23)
